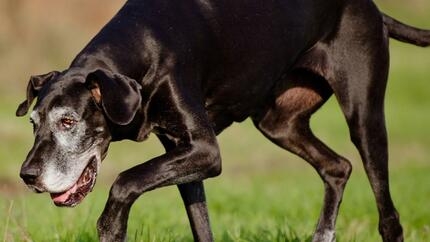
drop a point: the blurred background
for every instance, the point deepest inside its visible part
(42, 35)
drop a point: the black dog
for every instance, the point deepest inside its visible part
(186, 70)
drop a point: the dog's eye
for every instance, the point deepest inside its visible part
(67, 123)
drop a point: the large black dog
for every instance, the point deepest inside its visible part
(186, 70)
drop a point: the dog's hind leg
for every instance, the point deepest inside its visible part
(286, 123)
(366, 121)
(359, 83)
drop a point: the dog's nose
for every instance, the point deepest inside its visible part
(29, 174)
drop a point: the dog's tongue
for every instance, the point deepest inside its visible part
(61, 198)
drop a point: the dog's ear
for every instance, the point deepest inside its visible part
(118, 95)
(34, 85)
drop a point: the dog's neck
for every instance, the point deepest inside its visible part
(93, 59)
(102, 51)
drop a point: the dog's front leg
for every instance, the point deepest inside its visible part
(193, 195)
(191, 161)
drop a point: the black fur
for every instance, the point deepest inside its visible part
(186, 70)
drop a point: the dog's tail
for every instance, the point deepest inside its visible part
(406, 33)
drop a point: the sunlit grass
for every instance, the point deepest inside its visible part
(266, 206)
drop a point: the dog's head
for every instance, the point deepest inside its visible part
(72, 119)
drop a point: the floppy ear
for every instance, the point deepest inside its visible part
(118, 95)
(34, 85)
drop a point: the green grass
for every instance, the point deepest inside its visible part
(278, 205)
(264, 193)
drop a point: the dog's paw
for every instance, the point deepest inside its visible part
(109, 231)
(390, 229)
(324, 236)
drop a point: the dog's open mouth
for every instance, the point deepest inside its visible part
(74, 195)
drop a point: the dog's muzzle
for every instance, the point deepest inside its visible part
(30, 175)
(84, 185)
